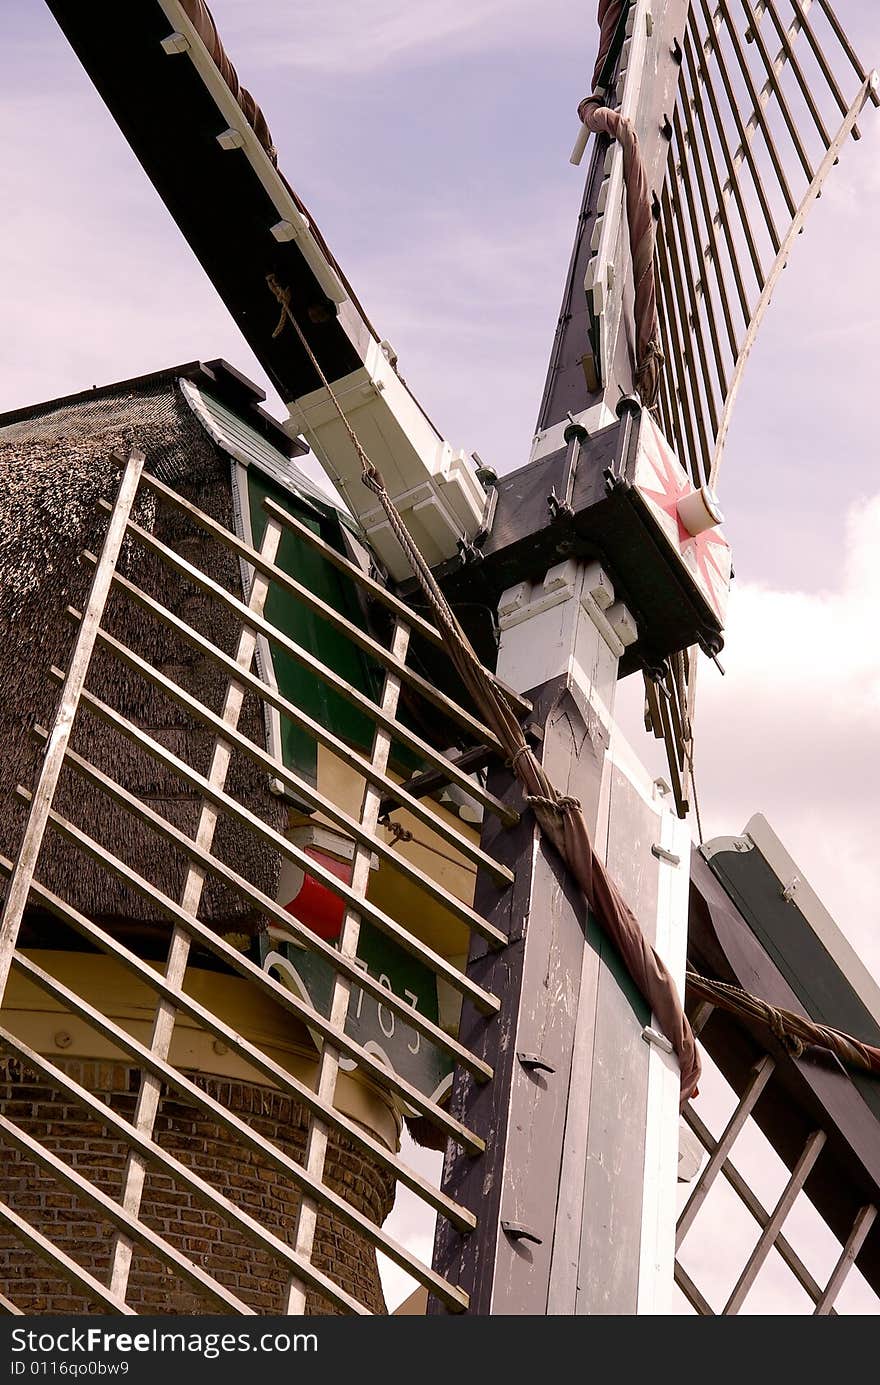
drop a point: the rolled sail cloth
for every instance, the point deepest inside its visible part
(202, 20)
(610, 12)
(601, 120)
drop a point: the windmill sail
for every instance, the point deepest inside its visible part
(742, 109)
(208, 151)
(362, 908)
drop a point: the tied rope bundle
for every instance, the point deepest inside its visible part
(600, 119)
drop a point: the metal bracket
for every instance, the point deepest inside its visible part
(469, 549)
(534, 1062)
(518, 1232)
(663, 855)
(575, 435)
(652, 1036)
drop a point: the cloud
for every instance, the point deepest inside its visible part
(356, 36)
(793, 729)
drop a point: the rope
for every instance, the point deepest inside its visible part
(795, 1032)
(558, 816)
(696, 796)
(555, 805)
(403, 834)
(600, 119)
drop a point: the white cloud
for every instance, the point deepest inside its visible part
(793, 729)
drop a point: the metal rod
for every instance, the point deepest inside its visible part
(74, 682)
(279, 1076)
(865, 1219)
(811, 1151)
(760, 1076)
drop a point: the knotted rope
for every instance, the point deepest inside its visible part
(795, 1032)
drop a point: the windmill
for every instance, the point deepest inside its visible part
(601, 556)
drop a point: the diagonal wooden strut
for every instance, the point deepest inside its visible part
(190, 899)
(53, 758)
(328, 1070)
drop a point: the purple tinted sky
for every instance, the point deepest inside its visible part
(431, 143)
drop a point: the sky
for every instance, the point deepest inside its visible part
(430, 141)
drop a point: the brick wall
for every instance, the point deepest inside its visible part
(181, 1129)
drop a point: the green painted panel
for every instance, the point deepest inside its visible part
(293, 618)
(371, 1024)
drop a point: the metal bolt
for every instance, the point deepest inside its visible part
(63, 1039)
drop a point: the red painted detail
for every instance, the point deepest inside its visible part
(314, 903)
(663, 482)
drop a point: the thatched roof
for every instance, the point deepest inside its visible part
(54, 467)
